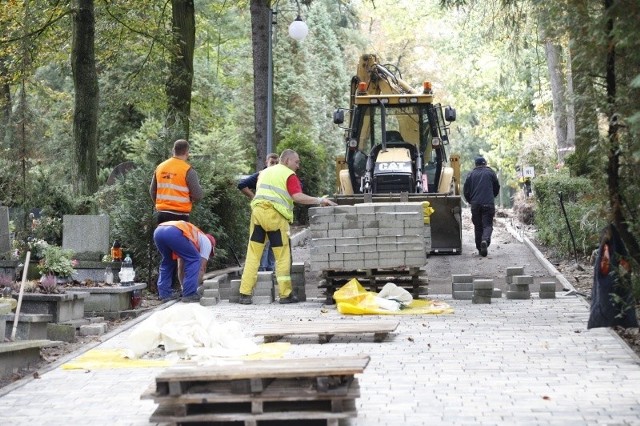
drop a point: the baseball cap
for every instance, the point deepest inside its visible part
(480, 161)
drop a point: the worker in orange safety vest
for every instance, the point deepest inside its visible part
(175, 185)
(192, 248)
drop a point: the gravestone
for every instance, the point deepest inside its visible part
(86, 235)
(5, 235)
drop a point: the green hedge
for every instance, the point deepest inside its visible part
(585, 207)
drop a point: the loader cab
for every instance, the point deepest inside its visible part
(404, 141)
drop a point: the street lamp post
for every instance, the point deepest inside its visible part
(298, 30)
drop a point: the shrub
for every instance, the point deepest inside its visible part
(222, 212)
(57, 261)
(585, 207)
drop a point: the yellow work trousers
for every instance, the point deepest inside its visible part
(266, 222)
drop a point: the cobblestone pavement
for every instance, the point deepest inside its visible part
(509, 362)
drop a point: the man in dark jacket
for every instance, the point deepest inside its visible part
(480, 188)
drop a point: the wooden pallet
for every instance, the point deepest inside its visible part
(256, 392)
(326, 330)
(412, 279)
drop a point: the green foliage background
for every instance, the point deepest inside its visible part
(487, 59)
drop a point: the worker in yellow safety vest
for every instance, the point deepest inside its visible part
(175, 185)
(271, 213)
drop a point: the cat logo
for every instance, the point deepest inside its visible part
(167, 175)
(393, 166)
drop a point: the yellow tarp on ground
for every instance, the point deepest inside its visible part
(111, 359)
(115, 358)
(353, 299)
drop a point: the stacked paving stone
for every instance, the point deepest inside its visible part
(210, 292)
(368, 236)
(547, 290)
(234, 291)
(463, 288)
(482, 291)
(518, 283)
(297, 281)
(263, 292)
(96, 327)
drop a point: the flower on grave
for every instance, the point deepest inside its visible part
(48, 284)
(35, 245)
(58, 262)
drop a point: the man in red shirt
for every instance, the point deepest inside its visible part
(271, 213)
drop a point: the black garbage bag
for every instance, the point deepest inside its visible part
(612, 302)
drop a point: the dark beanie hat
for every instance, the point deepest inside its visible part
(480, 161)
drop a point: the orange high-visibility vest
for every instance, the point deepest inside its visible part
(189, 230)
(172, 190)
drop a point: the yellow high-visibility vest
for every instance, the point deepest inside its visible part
(272, 187)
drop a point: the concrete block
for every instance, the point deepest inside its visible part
(518, 295)
(97, 329)
(211, 292)
(483, 292)
(462, 295)
(462, 286)
(477, 300)
(522, 279)
(548, 287)
(462, 278)
(262, 300)
(208, 301)
(353, 233)
(30, 326)
(515, 270)
(483, 284)
(547, 295)
(497, 293)
(297, 267)
(518, 287)
(61, 332)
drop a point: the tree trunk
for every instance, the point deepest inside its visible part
(584, 100)
(614, 151)
(5, 100)
(180, 80)
(558, 97)
(85, 81)
(260, 33)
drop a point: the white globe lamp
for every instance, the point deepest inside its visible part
(298, 29)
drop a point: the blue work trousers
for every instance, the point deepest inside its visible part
(169, 240)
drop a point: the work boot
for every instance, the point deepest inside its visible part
(173, 296)
(483, 249)
(193, 298)
(245, 299)
(291, 298)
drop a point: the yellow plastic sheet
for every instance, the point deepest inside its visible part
(353, 299)
(115, 358)
(111, 359)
